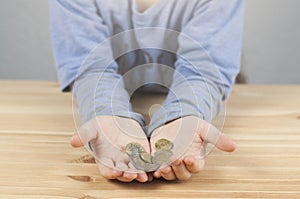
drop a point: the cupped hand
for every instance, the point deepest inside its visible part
(108, 137)
(189, 136)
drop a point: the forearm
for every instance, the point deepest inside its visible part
(190, 94)
(103, 94)
(208, 60)
(83, 55)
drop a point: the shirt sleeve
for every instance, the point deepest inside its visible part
(208, 60)
(83, 54)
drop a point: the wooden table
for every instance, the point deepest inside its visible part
(36, 160)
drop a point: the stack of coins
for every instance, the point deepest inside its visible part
(163, 152)
(142, 160)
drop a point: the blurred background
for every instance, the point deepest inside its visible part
(270, 52)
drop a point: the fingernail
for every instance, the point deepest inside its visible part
(156, 174)
(189, 161)
(176, 162)
(166, 169)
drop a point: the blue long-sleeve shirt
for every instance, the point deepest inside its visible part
(109, 48)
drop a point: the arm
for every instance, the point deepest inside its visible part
(77, 30)
(207, 62)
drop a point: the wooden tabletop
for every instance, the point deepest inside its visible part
(36, 160)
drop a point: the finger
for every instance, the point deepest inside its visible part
(127, 177)
(181, 172)
(75, 141)
(211, 134)
(150, 177)
(167, 173)
(121, 166)
(106, 166)
(194, 165)
(122, 157)
(157, 174)
(141, 175)
(109, 173)
(86, 133)
(225, 143)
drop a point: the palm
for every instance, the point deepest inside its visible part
(189, 136)
(108, 136)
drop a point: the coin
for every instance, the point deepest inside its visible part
(161, 157)
(146, 157)
(139, 164)
(149, 167)
(142, 160)
(135, 148)
(163, 144)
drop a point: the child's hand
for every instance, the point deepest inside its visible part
(189, 135)
(108, 136)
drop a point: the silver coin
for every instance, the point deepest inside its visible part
(142, 160)
(161, 157)
(146, 157)
(149, 167)
(139, 164)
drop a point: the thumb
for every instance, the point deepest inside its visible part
(211, 134)
(75, 141)
(86, 133)
(225, 143)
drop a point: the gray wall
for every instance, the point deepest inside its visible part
(270, 54)
(25, 47)
(271, 41)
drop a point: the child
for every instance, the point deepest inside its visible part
(108, 49)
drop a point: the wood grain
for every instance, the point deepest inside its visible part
(36, 160)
